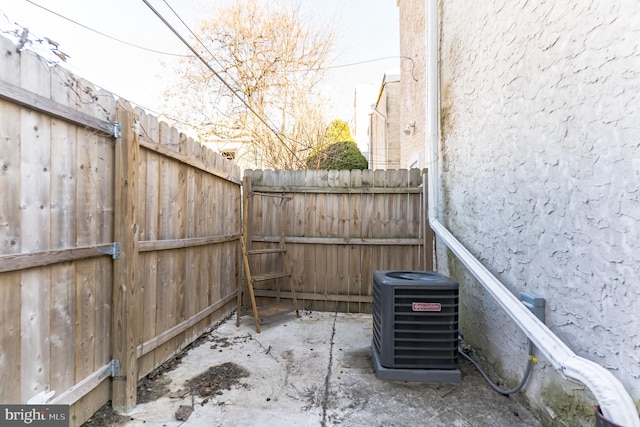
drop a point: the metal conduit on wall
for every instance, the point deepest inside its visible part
(614, 401)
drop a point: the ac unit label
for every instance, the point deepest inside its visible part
(426, 306)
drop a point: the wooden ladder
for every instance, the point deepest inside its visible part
(253, 278)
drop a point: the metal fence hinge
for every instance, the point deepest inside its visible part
(115, 129)
(112, 371)
(113, 250)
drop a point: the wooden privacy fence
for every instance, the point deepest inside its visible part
(119, 245)
(340, 227)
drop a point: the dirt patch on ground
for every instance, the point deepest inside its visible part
(155, 384)
(216, 379)
(150, 388)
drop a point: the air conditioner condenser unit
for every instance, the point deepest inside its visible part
(415, 326)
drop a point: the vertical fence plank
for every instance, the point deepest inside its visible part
(215, 252)
(200, 210)
(63, 164)
(310, 215)
(10, 338)
(320, 231)
(237, 229)
(272, 217)
(62, 326)
(369, 263)
(206, 254)
(229, 228)
(124, 283)
(309, 251)
(247, 230)
(286, 180)
(10, 149)
(333, 284)
(414, 209)
(226, 279)
(144, 266)
(355, 251)
(148, 211)
(380, 225)
(86, 174)
(414, 217)
(192, 255)
(165, 309)
(300, 269)
(10, 188)
(343, 285)
(63, 233)
(87, 226)
(228, 250)
(35, 352)
(106, 109)
(35, 161)
(395, 213)
(179, 232)
(84, 316)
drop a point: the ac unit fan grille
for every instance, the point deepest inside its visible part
(425, 339)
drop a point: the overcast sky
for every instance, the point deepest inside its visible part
(368, 31)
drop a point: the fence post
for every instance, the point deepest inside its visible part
(124, 279)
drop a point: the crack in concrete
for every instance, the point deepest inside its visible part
(327, 379)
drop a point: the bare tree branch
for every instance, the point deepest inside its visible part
(274, 60)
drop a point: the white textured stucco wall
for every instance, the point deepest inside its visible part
(413, 83)
(540, 109)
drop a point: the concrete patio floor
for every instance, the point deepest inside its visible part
(318, 371)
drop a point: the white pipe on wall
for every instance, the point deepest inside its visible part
(614, 401)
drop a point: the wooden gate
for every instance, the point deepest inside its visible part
(341, 226)
(119, 239)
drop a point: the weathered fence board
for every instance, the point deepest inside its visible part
(62, 315)
(148, 214)
(363, 221)
(10, 334)
(63, 235)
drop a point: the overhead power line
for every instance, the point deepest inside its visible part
(215, 73)
(192, 33)
(103, 34)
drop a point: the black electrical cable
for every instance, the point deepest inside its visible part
(105, 35)
(517, 388)
(194, 35)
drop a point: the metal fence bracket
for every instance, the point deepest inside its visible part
(114, 129)
(112, 371)
(113, 250)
